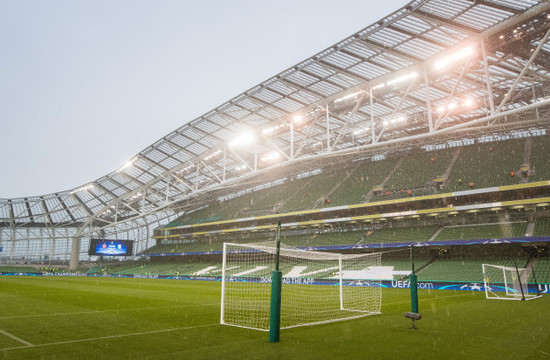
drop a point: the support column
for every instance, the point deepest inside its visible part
(428, 101)
(487, 76)
(372, 129)
(291, 139)
(1, 245)
(12, 246)
(75, 253)
(328, 128)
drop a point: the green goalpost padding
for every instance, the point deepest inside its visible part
(276, 287)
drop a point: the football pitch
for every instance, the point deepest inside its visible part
(114, 318)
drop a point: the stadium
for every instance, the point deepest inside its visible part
(418, 146)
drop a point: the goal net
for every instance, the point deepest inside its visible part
(506, 283)
(317, 287)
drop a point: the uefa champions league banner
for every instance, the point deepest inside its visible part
(388, 284)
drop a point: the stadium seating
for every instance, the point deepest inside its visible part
(199, 246)
(19, 269)
(419, 169)
(315, 192)
(403, 234)
(542, 227)
(482, 231)
(539, 158)
(295, 195)
(363, 179)
(463, 269)
(542, 271)
(487, 164)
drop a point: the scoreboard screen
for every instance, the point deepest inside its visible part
(105, 247)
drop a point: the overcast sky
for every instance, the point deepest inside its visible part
(86, 85)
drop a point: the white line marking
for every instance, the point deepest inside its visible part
(108, 337)
(544, 352)
(16, 338)
(435, 298)
(103, 311)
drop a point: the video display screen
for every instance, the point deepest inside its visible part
(105, 247)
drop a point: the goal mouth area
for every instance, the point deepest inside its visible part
(507, 283)
(514, 297)
(315, 287)
(361, 315)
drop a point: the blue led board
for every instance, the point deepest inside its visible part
(105, 247)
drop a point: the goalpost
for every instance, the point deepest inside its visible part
(506, 283)
(317, 287)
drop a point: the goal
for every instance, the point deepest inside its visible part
(506, 283)
(317, 287)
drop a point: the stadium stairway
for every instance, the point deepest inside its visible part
(447, 173)
(383, 183)
(338, 184)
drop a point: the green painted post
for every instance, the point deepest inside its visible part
(414, 294)
(276, 287)
(413, 285)
(275, 319)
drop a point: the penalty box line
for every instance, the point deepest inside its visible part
(16, 338)
(29, 345)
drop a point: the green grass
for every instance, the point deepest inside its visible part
(110, 318)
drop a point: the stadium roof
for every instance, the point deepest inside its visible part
(433, 71)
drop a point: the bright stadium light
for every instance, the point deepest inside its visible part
(274, 155)
(457, 56)
(403, 78)
(83, 188)
(398, 119)
(128, 164)
(361, 130)
(466, 103)
(242, 140)
(272, 129)
(349, 96)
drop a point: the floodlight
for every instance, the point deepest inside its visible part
(468, 102)
(128, 164)
(403, 78)
(82, 188)
(274, 155)
(348, 96)
(361, 130)
(242, 140)
(459, 55)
